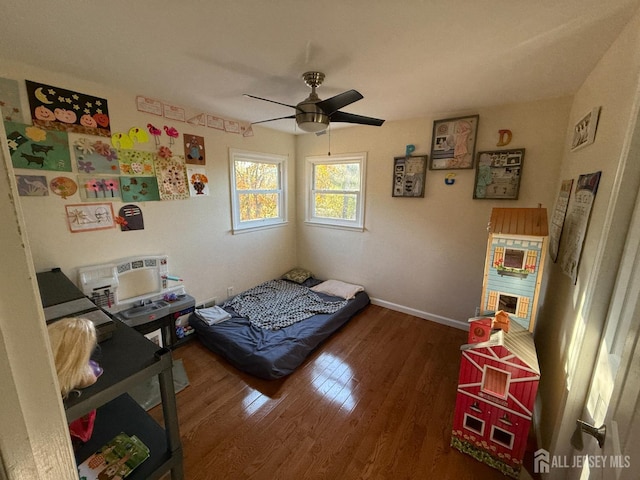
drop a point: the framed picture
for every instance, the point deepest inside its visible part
(156, 337)
(84, 217)
(584, 133)
(453, 143)
(498, 174)
(408, 176)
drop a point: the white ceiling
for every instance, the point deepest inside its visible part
(409, 58)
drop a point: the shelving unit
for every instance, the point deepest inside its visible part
(128, 358)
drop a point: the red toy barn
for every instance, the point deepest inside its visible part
(496, 393)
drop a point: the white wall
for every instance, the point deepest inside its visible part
(426, 255)
(195, 233)
(571, 320)
(34, 442)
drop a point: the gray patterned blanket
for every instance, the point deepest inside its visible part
(279, 303)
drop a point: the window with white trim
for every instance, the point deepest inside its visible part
(474, 424)
(257, 189)
(335, 190)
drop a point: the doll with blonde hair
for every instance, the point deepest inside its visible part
(72, 342)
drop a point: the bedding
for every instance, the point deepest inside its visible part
(277, 351)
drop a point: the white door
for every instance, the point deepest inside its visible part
(614, 393)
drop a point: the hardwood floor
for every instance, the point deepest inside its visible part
(374, 401)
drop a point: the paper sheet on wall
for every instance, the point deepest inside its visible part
(577, 222)
(557, 219)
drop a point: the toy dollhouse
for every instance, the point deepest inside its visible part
(496, 392)
(514, 263)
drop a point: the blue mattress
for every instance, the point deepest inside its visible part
(273, 354)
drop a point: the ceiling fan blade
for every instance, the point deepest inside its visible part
(333, 104)
(273, 119)
(353, 118)
(267, 100)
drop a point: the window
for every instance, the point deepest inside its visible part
(502, 437)
(495, 382)
(474, 424)
(513, 258)
(257, 189)
(508, 303)
(336, 190)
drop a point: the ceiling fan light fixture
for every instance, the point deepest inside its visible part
(312, 122)
(313, 114)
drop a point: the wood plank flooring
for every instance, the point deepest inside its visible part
(375, 401)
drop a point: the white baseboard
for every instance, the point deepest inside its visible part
(420, 314)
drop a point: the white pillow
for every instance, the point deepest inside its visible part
(338, 289)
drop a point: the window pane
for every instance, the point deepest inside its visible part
(329, 205)
(256, 176)
(340, 176)
(495, 382)
(513, 258)
(256, 206)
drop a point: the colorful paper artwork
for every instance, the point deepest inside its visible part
(130, 218)
(63, 186)
(95, 188)
(95, 156)
(194, 152)
(136, 162)
(198, 181)
(32, 147)
(126, 141)
(55, 108)
(139, 189)
(32, 185)
(10, 101)
(172, 178)
(90, 216)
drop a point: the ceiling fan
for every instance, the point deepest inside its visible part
(313, 114)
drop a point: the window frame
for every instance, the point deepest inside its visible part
(239, 226)
(311, 218)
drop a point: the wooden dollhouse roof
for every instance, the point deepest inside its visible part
(519, 342)
(519, 221)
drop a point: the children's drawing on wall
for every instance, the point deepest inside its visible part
(136, 162)
(55, 108)
(63, 187)
(95, 156)
(10, 101)
(139, 189)
(32, 185)
(90, 216)
(130, 218)
(128, 140)
(198, 181)
(194, 152)
(35, 148)
(95, 187)
(557, 219)
(172, 178)
(453, 143)
(577, 222)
